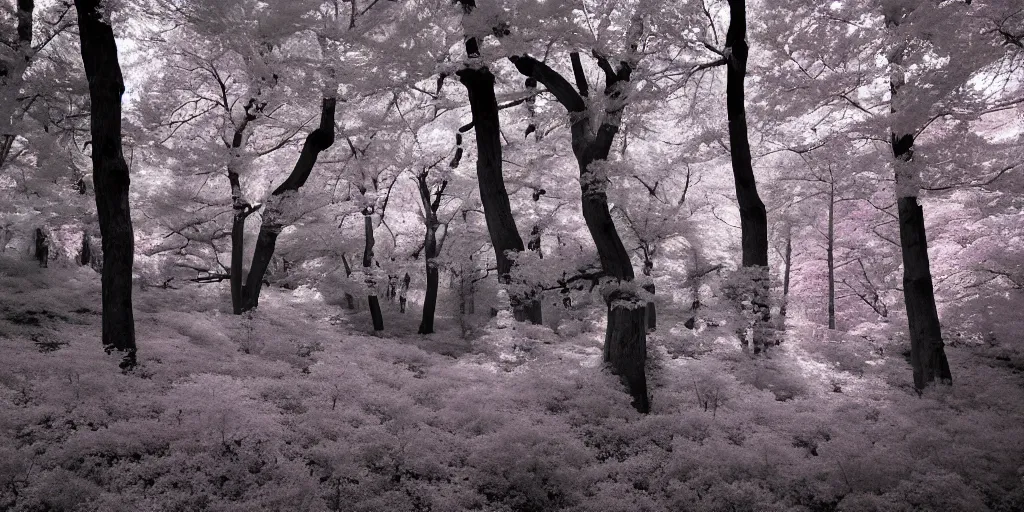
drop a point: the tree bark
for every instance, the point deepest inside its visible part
(374, 303)
(240, 207)
(350, 301)
(830, 256)
(316, 142)
(85, 256)
(430, 299)
(787, 261)
(927, 352)
(430, 245)
(625, 344)
(110, 178)
(753, 217)
(501, 225)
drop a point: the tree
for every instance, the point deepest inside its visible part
(430, 201)
(927, 353)
(625, 344)
(753, 216)
(501, 225)
(110, 178)
(284, 196)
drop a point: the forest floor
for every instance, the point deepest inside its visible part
(294, 408)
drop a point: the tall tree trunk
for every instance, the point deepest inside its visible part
(240, 207)
(501, 225)
(625, 345)
(11, 77)
(927, 352)
(787, 262)
(316, 142)
(830, 253)
(753, 217)
(110, 178)
(371, 299)
(430, 299)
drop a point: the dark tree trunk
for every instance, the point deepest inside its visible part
(830, 257)
(501, 225)
(85, 256)
(372, 300)
(927, 352)
(787, 261)
(430, 300)
(753, 217)
(110, 178)
(237, 260)
(625, 339)
(316, 142)
(11, 76)
(431, 201)
(241, 209)
(42, 248)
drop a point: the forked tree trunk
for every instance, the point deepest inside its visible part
(651, 312)
(927, 352)
(753, 217)
(403, 292)
(501, 225)
(110, 178)
(374, 303)
(316, 142)
(625, 345)
(431, 202)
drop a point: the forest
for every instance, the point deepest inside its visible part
(512, 255)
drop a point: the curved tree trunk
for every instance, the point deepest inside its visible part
(501, 225)
(753, 217)
(625, 346)
(651, 311)
(110, 178)
(316, 142)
